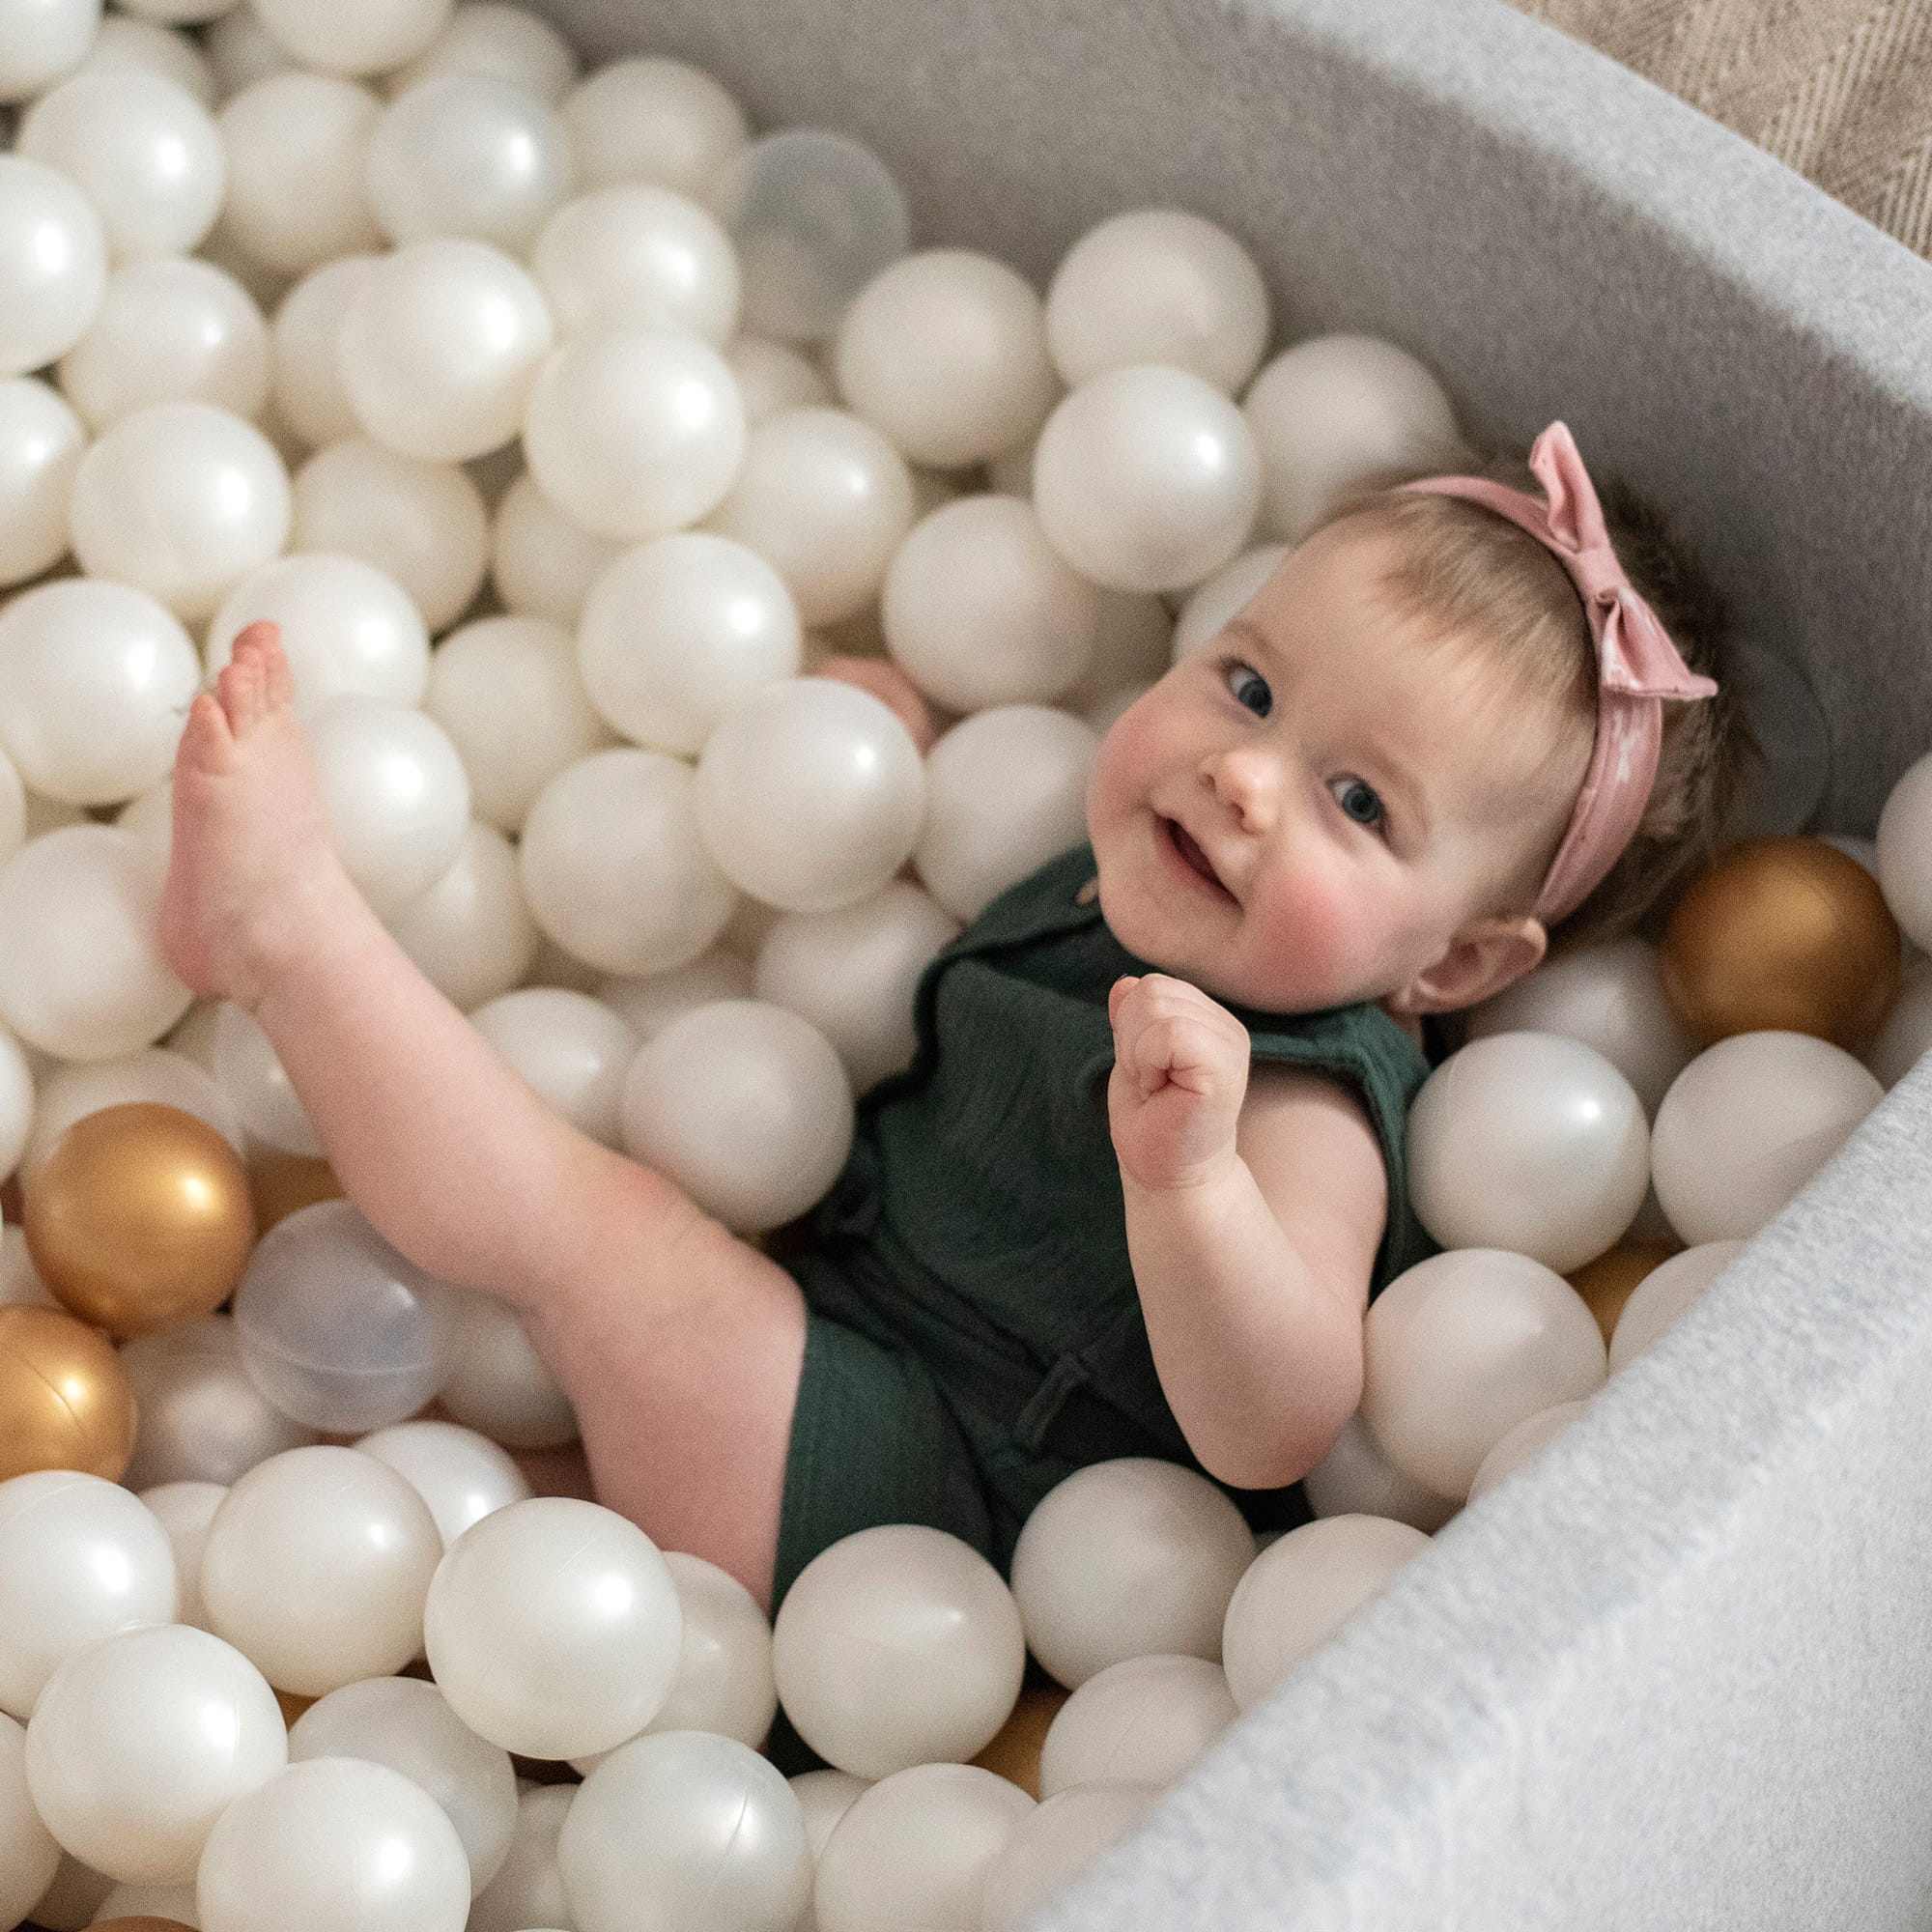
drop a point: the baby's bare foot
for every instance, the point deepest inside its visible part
(253, 866)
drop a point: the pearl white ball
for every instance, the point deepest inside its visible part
(1460, 1349)
(1212, 604)
(944, 353)
(500, 43)
(826, 501)
(1302, 1588)
(41, 40)
(743, 1105)
(677, 632)
(144, 151)
(572, 1048)
(53, 265)
(613, 867)
(980, 610)
(1664, 1293)
(578, 1666)
(16, 1117)
(1157, 284)
(309, 403)
(181, 500)
(185, 1510)
(468, 154)
(81, 975)
(852, 973)
(355, 35)
(772, 378)
(30, 1855)
(424, 524)
(394, 792)
(635, 433)
(70, 1093)
(1747, 1123)
(897, 1646)
(1146, 478)
(346, 627)
(1053, 1844)
(542, 563)
(149, 44)
(724, 1681)
(42, 441)
(649, 1002)
(461, 1474)
(527, 1890)
(1006, 791)
(1333, 407)
(1902, 1040)
(1357, 1479)
(139, 1744)
(297, 147)
(636, 256)
(498, 1384)
(811, 794)
(256, 1084)
(1522, 1443)
(242, 50)
(440, 349)
(470, 934)
(95, 683)
(653, 120)
(1904, 838)
(1142, 1721)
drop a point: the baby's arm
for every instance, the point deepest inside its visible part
(1254, 1210)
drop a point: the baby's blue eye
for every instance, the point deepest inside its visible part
(1250, 688)
(1372, 814)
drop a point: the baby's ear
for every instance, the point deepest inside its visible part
(1487, 956)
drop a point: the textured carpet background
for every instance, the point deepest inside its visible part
(1838, 90)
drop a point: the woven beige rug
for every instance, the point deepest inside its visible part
(1838, 90)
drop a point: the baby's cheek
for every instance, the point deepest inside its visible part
(1324, 936)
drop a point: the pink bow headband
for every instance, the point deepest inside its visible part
(1636, 664)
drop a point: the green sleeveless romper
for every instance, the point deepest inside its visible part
(973, 1331)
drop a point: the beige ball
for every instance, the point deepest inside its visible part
(1522, 1443)
(1053, 1845)
(1357, 1479)
(1463, 1345)
(1142, 1720)
(1664, 1293)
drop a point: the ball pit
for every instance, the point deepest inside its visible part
(602, 328)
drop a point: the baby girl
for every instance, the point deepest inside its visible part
(1135, 1190)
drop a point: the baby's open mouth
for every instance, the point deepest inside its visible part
(1184, 844)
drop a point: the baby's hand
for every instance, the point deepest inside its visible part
(1181, 1069)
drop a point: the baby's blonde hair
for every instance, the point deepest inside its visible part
(1492, 589)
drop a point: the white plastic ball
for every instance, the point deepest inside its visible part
(242, 50)
(81, 975)
(826, 501)
(527, 1890)
(169, 330)
(1301, 1588)
(42, 441)
(724, 1681)
(1052, 1845)
(613, 866)
(1333, 407)
(330, 1842)
(441, 346)
(653, 120)
(1664, 1293)
(944, 353)
(772, 378)
(139, 1744)
(1747, 1123)
(501, 42)
(42, 41)
(316, 1567)
(408, 1726)
(980, 610)
(746, 1106)
(1523, 1441)
(355, 35)
(395, 794)
(648, 1002)
(344, 624)
(816, 215)
(297, 147)
(852, 973)
(570, 1047)
(470, 934)
(461, 1475)
(578, 1666)
(636, 256)
(1460, 1347)
(897, 1646)
(338, 1328)
(498, 1384)
(1142, 1721)
(635, 433)
(251, 1077)
(53, 263)
(1902, 1040)
(181, 500)
(1146, 478)
(811, 794)
(80, 1558)
(185, 1510)
(29, 1853)
(677, 632)
(95, 682)
(17, 1106)
(700, 1825)
(1529, 1141)
(915, 1850)
(126, 44)
(1357, 1479)
(542, 563)
(468, 154)
(1904, 839)
(1210, 604)
(310, 404)
(200, 1419)
(1006, 791)
(71, 1093)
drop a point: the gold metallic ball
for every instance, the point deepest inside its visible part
(284, 1183)
(65, 1400)
(138, 1922)
(1607, 1282)
(1014, 1752)
(1785, 934)
(139, 1218)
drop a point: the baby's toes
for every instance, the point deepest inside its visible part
(205, 741)
(242, 689)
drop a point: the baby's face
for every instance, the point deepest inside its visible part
(1317, 806)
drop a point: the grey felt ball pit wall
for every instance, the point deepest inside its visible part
(1677, 1673)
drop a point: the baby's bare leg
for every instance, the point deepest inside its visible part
(679, 1344)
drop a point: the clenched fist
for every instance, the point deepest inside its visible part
(1180, 1071)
